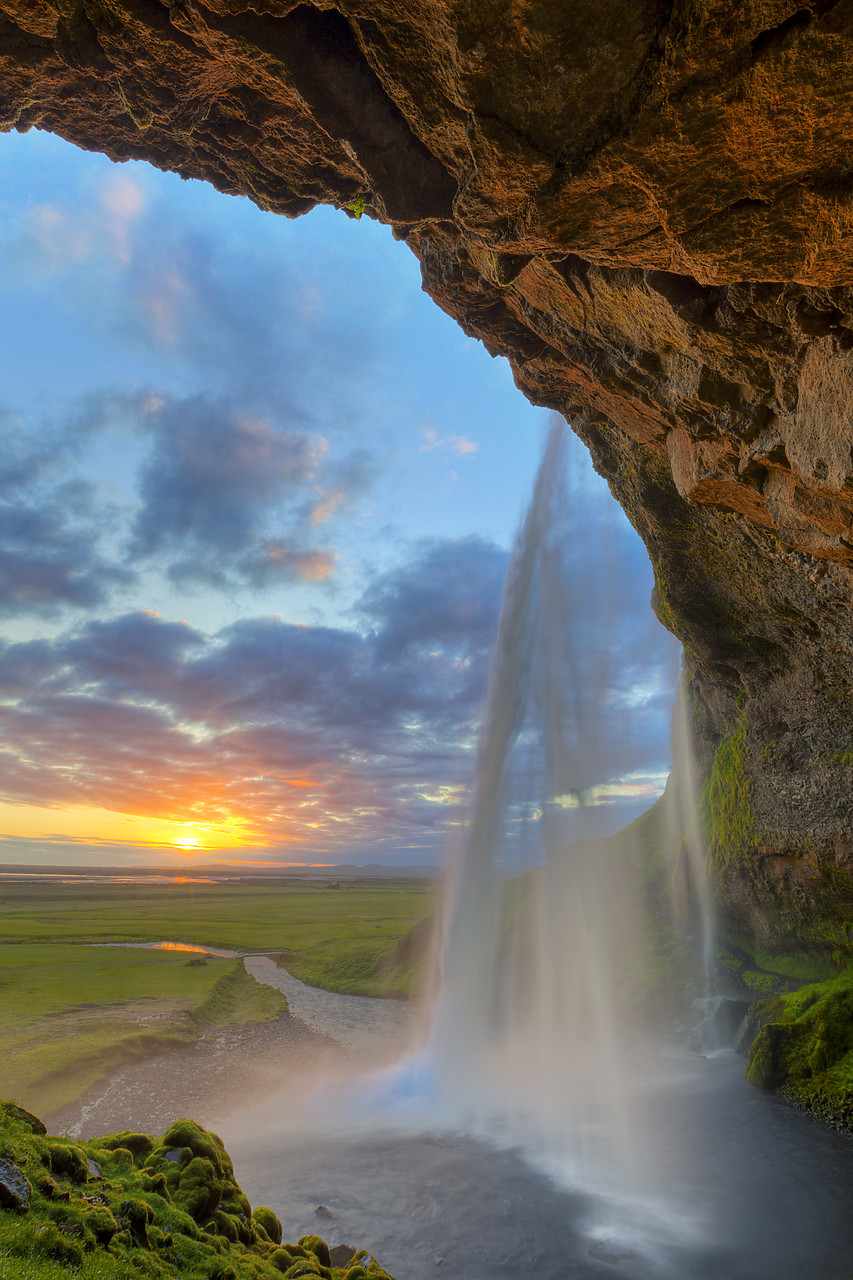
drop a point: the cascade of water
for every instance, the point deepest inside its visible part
(530, 1030)
(696, 906)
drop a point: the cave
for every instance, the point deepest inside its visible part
(647, 208)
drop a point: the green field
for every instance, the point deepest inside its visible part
(71, 1012)
(274, 915)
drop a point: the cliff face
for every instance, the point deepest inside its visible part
(647, 206)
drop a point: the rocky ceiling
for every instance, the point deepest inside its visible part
(647, 207)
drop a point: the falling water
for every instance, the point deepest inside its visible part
(532, 1035)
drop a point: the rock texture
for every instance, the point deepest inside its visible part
(647, 206)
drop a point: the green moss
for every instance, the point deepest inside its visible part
(130, 1226)
(765, 983)
(731, 831)
(805, 1047)
(138, 1144)
(268, 1222)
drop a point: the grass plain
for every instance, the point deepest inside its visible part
(70, 1011)
(274, 915)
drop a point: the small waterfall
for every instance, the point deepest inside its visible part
(693, 905)
(532, 1036)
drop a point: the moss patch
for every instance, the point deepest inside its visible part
(805, 1048)
(731, 831)
(154, 1208)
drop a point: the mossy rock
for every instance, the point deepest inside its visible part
(806, 1049)
(133, 1222)
(199, 1189)
(186, 1133)
(138, 1144)
(53, 1243)
(268, 1222)
(120, 1158)
(102, 1224)
(766, 1065)
(11, 1111)
(313, 1244)
(67, 1161)
(135, 1215)
(155, 1182)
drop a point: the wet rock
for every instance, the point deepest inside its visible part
(341, 1255)
(95, 1170)
(15, 1191)
(322, 1211)
(721, 1021)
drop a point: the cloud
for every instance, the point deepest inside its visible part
(323, 735)
(51, 530)
(214, 481)
(460, 445)
(448, 597)
(46, 563)
(59, 236)
(208, 493)
(329, 739)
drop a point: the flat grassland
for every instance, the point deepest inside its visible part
(71, 1012)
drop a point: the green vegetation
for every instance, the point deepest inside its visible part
(270, 916)
(726, 804)
(738, 955)
(805, 1047)
(399, 973)
(132, 1205)
(69, 1014)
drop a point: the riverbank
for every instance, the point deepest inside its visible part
(224, 1072)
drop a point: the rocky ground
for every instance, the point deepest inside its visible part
(205, 1080)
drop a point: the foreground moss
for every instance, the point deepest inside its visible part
(129, 1204)
(805, 1049)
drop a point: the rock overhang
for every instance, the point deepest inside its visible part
(647, 207)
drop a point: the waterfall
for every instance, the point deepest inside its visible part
(532, 1034)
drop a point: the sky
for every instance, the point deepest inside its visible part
(257, 498)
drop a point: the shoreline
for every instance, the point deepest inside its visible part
(206, 1079)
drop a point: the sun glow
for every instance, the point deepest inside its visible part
(103, 826)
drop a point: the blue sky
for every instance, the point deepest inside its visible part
(258, 496)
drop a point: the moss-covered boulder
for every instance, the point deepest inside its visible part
(268, 1222)
(161, 1209)
(805, 1048)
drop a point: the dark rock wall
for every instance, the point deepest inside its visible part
(647, 206)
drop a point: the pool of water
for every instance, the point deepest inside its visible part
(746, 1188)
